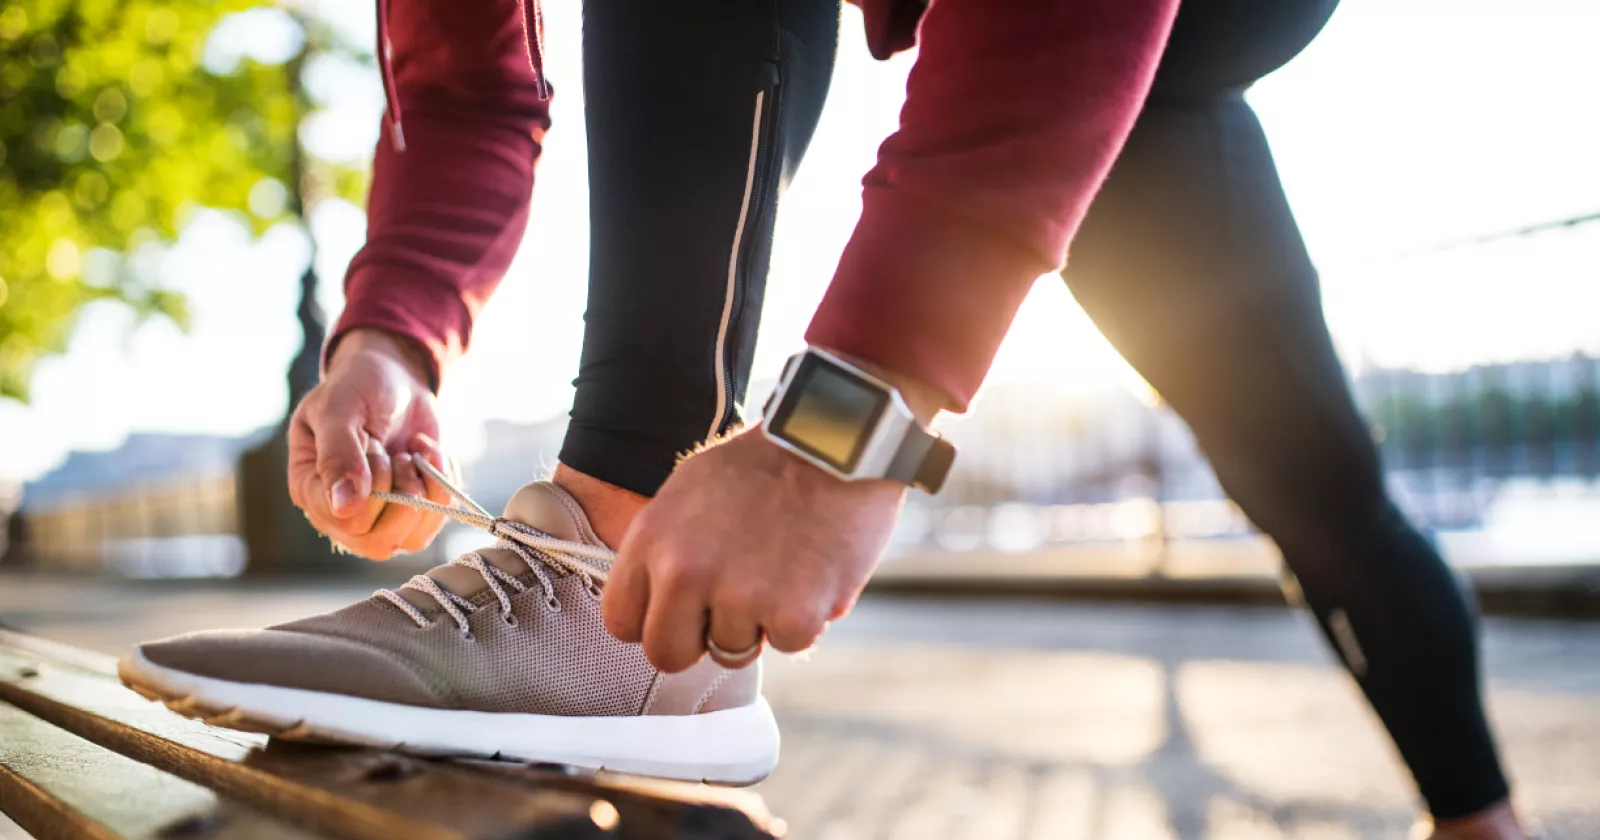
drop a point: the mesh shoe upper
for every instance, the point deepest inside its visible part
(553, 656)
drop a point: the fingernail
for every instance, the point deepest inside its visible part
(343, 494)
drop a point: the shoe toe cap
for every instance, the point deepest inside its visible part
(290, 660)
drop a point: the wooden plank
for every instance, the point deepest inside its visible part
(349, 792)
(57, 785)
(660, 809)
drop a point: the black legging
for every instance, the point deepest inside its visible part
(1189, 260)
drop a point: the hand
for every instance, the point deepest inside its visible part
(359, 431)
(745, 539)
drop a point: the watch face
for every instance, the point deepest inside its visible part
(829, 413)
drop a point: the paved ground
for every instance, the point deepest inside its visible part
(999, 720)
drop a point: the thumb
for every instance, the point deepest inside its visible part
(342, 458)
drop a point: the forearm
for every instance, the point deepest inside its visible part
(1014, 113)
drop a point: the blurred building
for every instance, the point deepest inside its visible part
(157, 506)
(513, 455)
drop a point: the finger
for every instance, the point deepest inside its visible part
(426, 524)
(306, 488)
(674, 623)
(626, 596)
(792, 630)
(444, 463)
(303, 464)
(735, 630)
(342, 461)
(381, 470)
(429, 524)
(426, 449)
(396, 521)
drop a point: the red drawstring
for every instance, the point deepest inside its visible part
(386, 70)
(533, 31)
(533, 39)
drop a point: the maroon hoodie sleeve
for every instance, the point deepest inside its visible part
(1013, 115)
(445, 216)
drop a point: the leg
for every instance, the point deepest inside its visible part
(1191, 263)
(697, 114)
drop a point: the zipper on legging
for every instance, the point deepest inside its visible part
(758, 183)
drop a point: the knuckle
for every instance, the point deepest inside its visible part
(738, 592)
(333, 460)
(676, 572)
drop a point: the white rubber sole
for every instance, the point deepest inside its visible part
(731, 747)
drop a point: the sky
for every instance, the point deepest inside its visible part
(1406, 124)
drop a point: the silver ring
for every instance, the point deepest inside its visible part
(734, 657)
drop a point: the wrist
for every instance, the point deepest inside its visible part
(407, 352)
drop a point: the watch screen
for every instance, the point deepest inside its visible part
(830, 413)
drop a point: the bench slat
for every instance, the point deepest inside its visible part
(354, 793)
(351, 793)
(57, 785)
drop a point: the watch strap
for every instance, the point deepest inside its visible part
(922, 461)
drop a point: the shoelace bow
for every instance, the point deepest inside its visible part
(542, 552)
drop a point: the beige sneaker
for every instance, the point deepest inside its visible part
(500, 653)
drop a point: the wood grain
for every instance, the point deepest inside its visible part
(57, 785)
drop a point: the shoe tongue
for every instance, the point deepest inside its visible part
(550, 509)
(541, 505)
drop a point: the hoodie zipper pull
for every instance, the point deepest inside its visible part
(533, 32)
(391, 97)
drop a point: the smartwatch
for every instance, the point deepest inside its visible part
(852, 424)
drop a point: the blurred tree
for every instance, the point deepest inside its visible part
(113, 128)
(119, 118)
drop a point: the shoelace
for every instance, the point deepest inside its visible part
(542, 552)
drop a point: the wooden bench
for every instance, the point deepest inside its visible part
(83, 757)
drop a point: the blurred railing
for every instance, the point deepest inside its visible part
(1498, 460)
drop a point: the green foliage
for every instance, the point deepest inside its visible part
(111, 133)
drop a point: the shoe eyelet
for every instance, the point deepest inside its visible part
(509, 619)
(594, 590)
(553, 603)
(466, 635)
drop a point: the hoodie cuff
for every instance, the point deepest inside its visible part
(408, 304)
(925, 293)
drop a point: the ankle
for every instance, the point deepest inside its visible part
(610, 508)
(1497, 822)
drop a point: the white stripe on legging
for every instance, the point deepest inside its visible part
(733, 269)
(1344, 635)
